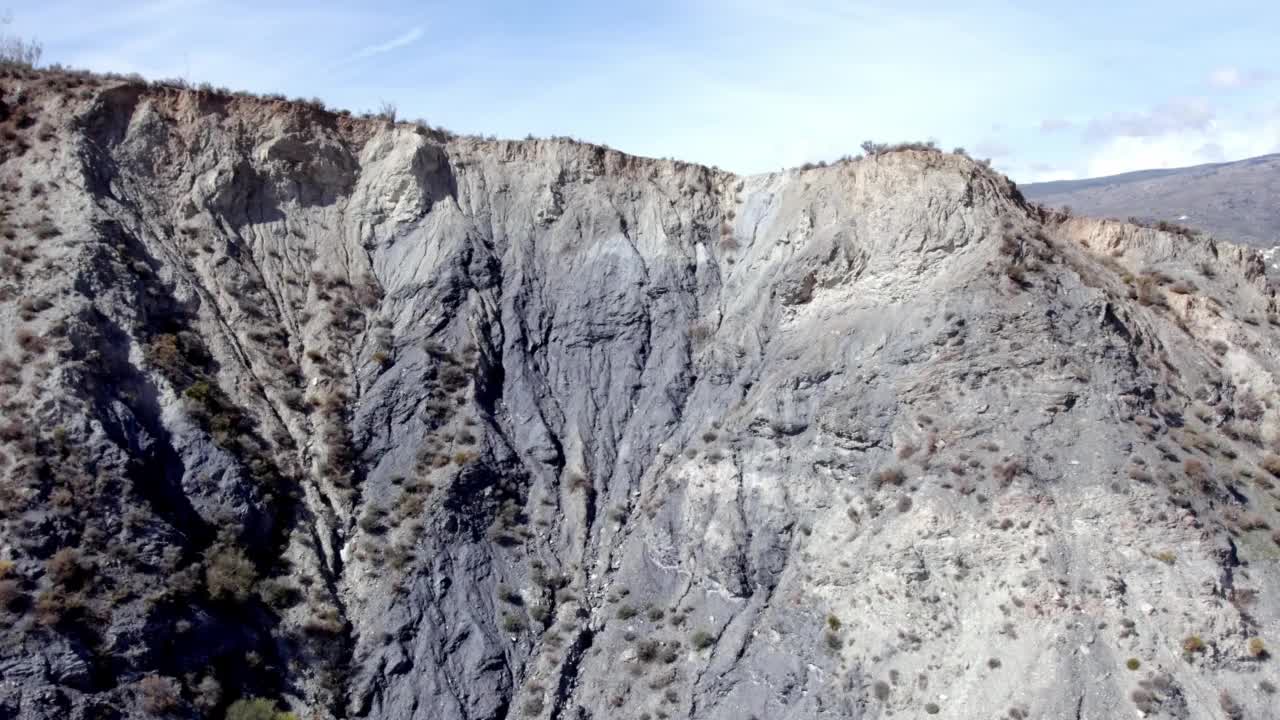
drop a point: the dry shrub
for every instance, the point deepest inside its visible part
(228, 571)
(158, 694)
(1271, 463)
(888, 476)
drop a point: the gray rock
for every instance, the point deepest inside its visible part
(379, 422)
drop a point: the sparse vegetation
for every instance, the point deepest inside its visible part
(872, 148)
(889, 476)
(1257, 649)
(17, 51)
(229, 573)
(256, 709)
(158, 695)
(1271, 463)
(701, 640)
(1192, 644)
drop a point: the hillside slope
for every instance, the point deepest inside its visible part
(382, 423)
(1237, 201)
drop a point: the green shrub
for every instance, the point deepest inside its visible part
(1133, 663)
(626, 612)
(257, 709)
(1193, 644)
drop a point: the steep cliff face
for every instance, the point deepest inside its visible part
(383, 423)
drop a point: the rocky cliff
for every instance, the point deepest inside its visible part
(372, 421)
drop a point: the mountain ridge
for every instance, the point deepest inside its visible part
(379, 422)
(1233, 200)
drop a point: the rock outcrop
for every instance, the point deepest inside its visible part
(378, 422)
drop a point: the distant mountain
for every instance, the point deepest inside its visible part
(1237, 201)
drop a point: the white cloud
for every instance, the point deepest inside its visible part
(1232, 78)
(1180, 115)
(1043, 172)
(395, 43)
(1215, 143)
(992, 149)
(1050, 125)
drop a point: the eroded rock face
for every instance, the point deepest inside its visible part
(384, 423)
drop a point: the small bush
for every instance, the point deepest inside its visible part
(889, 476)
(1271, 463)
(1006, 471)
(228, 571)
(1193, 468)
(932, 708)
(702, 640)
(1017, 274)
(881, 690)
(533, 706)
(256, 709)
(1193, 644)
(626, 612)
(31, 343)
(1257, 649)
(1133, 663)
(647, 651)
(66, 569)
(872, 148)
(158, 695)
(833, 641)
(46, 230)
(12, 598)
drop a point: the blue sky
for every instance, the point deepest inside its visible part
(1048, 90)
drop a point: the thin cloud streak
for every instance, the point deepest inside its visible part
(393, 44)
